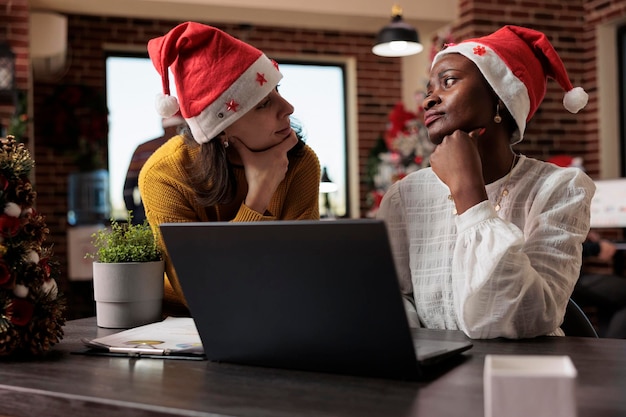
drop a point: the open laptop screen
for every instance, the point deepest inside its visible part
(303, 294)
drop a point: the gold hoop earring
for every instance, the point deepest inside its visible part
(497, 117)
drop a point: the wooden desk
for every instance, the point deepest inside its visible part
(63, 384)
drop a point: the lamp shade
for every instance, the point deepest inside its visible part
(398, 38)
(48, 44)
(326, 185)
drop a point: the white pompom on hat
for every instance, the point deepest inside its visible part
(516, 62)
(218, 77)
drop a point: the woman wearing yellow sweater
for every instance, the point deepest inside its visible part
(240, 159)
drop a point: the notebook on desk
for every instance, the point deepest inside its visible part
(308, 295)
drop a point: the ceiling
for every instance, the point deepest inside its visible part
(350, 15)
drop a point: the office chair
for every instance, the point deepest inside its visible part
(576, 323)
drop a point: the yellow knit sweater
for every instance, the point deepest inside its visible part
(168, 198)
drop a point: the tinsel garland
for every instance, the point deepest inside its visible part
(31, 306)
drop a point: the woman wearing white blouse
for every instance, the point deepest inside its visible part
(486, 240)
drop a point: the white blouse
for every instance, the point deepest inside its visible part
(490, 274)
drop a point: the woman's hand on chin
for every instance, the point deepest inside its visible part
(264, 170)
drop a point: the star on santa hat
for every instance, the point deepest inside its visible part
(232, 105)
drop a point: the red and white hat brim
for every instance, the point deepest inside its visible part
(236, 101)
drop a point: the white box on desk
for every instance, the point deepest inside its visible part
(529, 385)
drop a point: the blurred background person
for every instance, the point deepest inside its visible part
(604, 292)
(132, 197)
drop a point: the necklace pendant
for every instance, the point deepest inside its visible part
(452, 199)
(497, 207)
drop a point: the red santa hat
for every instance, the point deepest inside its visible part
(218, 78)
(516, 62)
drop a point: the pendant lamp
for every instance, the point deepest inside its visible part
(398, 38)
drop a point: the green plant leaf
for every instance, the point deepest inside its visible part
(125, 242)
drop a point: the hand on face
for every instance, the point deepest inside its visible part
(456, 161)
(261, 138)
(264, 170)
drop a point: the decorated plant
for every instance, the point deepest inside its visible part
(404, 148)
(31, 306)
(125, 242)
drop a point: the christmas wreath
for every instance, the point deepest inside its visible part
(31, 306)
(76, 120)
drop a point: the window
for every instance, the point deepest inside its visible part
(132, 85)
(317, 93)
(316, 89)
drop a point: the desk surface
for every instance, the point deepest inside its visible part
(63, 384)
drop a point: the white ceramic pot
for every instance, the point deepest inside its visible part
(128, 294)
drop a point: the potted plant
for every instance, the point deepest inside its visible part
(128, 272)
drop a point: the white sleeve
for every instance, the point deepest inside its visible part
(513, 283)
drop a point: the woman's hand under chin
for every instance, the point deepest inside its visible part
(264, 170)
(457, 163)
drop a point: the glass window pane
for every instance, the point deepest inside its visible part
(317, 92)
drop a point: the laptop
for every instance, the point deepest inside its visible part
(307, 295)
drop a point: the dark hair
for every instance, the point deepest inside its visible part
(211, 173)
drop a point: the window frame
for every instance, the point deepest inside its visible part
(350, 163)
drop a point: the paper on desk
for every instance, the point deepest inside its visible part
(174, 335)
